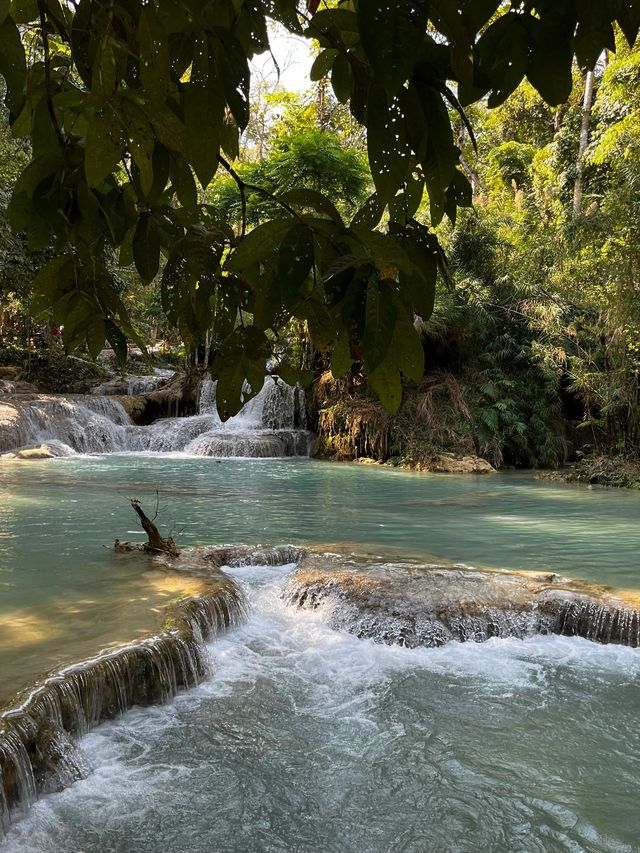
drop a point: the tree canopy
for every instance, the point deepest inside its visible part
(130, 105)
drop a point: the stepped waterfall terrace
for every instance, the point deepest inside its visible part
(271, 424)
(304, 736)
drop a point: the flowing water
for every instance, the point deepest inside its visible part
(306, 738)
(271, 424)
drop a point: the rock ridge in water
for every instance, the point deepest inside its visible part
(38, 754)
(413, 605)
(38, 731)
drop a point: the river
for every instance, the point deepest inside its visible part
(304, 738)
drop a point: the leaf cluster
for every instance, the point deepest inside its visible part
(130, 105)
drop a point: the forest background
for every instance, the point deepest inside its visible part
(532, 350)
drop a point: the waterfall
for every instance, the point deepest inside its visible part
(86, 424)
(271, 424)
(38, 750)
(431, 606)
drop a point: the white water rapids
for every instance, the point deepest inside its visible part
(272, 424)
(308, 739)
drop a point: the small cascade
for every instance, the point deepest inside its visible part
(256, 444)
(38, 751)
(207, 398)
(86, 424)
(271, 424)
(169, 435)
(431, 606)
(607, 622)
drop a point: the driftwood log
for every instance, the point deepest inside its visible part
(156, 544)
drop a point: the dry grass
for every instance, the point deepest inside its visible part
(353, 424)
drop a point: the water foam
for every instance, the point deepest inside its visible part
(270, 425)
(308, 738)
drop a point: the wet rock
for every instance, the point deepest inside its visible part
(176, 399)
(37, 732)
(48, 450)
(413, 605)
(10, 373)
(8, 387)
(448, 463)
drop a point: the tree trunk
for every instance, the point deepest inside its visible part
(584, 141)
(156, 542)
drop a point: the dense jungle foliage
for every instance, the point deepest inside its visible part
(165, 193)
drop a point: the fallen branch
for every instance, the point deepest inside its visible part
(157, 544)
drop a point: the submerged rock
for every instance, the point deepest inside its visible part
(414, 605)
(48, 450)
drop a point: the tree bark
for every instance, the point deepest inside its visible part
(156, 543)
(584, 141)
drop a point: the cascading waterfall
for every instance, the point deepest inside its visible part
(431, 606)
(404, 603)
(38, 752)
(271, 424)
(84, 424)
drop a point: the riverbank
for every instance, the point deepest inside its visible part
(440, 427)
(622, 472)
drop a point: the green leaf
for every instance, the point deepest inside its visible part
(419, 284)
(315, 200)
(341, 78)
(379, 323)
(502, 53)
(233, 71)
(341, 360)
(369, 215)
(117, 340)
(477, 13)
(96, 333)
(242, 356)
(24, 11)
(387, 385)
(51, 282)
(594, 33)
(392, 33)
(146, 247)
(286, 11)
(293, 375)
(155, 70)
(183, 183)
(141, 138)
(170, 131)
(407, 349)
(13, 66)
(258, 244)
(387, 144)
(104, 147)
(320, 322)
(295, 259)
(5, 5)
(549, 68)
(628, 17)
(322, 64)
(445, 15)
(204, 128)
